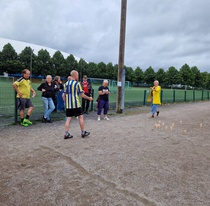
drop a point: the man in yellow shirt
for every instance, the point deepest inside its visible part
(155, 98)
(23, 88)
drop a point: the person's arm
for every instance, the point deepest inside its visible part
(86, 97)
(40, 87)
(64, 96)
(100, 91)
(33, 92)
(107, 92)
(157, 89)
(15, 86)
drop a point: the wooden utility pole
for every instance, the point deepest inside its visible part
(119, 102)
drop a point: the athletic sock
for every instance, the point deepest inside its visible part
(21, 119)
(83, 131)
(27, 116)
(66, 133)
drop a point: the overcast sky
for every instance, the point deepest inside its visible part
(159, 33)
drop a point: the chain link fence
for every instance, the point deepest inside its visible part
(133, 97)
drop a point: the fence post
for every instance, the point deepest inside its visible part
(202, 95)
(145, 96)
(161, 96)
(185, 95)
(193, 95)
(208, 94)
(174, 95)
(16, 114)
(91, 103)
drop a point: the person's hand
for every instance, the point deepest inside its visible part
(20, 94)
(63, 96)
(34, 94)
(43, 90)
(90, 99)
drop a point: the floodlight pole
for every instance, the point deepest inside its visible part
(120, 88)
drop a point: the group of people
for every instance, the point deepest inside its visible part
(71, 91)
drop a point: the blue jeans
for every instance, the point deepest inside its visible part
(48, 107)
(154, 108)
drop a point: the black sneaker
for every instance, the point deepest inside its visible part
(68, 136)
(158, 113)
(49, 121)
(85, 134)
(44, 120)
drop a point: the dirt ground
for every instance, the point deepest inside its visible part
(125, 162)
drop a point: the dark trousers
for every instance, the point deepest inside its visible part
(103, 105)
(85, 103)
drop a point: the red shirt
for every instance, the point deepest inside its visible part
(85, 87)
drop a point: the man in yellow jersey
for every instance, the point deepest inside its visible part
(72, 91)
(23, 88)
(155, 98)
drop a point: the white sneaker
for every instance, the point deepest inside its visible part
(99, 119)
(106, 118)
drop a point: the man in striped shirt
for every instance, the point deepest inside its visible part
(72, 91)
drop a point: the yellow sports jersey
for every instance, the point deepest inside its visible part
(72, 90)
(156, 95)
(24, 86)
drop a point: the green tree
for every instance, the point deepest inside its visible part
(27, 57)
(161, 76)
(115, 71)
(197, 81)
(9, 60)
(101, 70)
(172, 76)
(149, 75)
(205, 80)
(138, 75)
(82, 68)
(71, 64)
(59, 64)
(186, 75)
(129, 74)
(92, 69)
(110, 71)
(44, 63)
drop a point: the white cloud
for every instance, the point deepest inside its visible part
(158, 34)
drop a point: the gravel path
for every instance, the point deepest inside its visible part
(126, 161)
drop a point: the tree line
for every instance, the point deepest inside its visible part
(43, 64)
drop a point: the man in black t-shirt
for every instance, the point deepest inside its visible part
(103, 101)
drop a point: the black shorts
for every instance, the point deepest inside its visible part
(23, 103)
(74, 112)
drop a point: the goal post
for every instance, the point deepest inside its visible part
(112, 82)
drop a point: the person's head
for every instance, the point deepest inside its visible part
(57, 79)
(85, 78)
(156, 83)
(48, 78)
(105, 83)
(26, 73)
(69, 78)
(74, 75)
